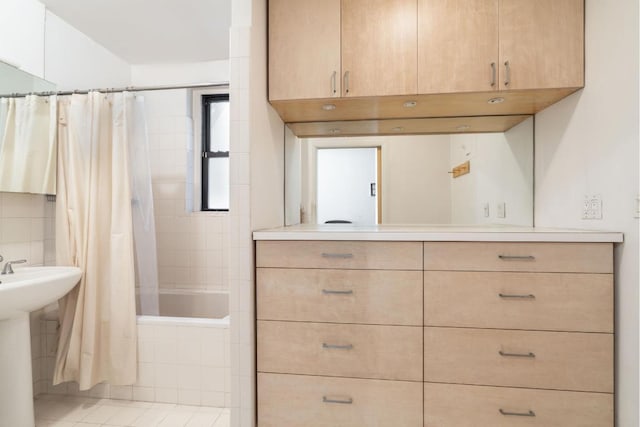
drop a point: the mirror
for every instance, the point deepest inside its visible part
(27, 133)
(14, 80)
(463, 178)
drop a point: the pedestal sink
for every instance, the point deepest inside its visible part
(26, 290)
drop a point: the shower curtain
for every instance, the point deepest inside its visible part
(98, 194)
(28, 144)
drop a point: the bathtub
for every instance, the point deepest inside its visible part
(183, 354)
(181, 359)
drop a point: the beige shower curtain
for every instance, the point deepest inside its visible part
(94, 232)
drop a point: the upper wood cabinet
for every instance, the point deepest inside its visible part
(373, 40)
(379, 44)
(543, 43)
(393, 59)
(457, 46)
(304, 49)
(485, 45)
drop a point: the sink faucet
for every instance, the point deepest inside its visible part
(7, 267)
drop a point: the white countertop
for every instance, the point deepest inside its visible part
(435, 233)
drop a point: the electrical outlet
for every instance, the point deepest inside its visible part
(592, 206)
(501, 211)
(485, 210)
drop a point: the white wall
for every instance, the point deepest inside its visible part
(22, 34)
(46, 46)
(74, 61)
(588, 144)
(180, 74)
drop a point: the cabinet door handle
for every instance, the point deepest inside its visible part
(517, 296)
(346, 82)
(517, 257)
(493, 74)
(333, 82)
(336, 255)
(337, 346)
(347, 401)
(518, 414)
(507, 76)
(505, 354)
(333, 292)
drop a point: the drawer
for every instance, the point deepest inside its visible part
(303, 401)
(360, 351)
(550, 360)
(387, 297)
(539, 301)
(340, 254)
(448, 405)
(517, 256)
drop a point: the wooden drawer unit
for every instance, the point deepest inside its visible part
(547, 360)
(358, 351)
(537, 301)
(517, 256)
(340, 254)
(434, 334)
(384, 297)
(449, 405)
(304, 401)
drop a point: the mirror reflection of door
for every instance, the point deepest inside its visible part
(347, 185)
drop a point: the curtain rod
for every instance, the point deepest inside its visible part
(113, 90)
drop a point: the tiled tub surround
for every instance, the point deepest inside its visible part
(180, 360)
(191, 246)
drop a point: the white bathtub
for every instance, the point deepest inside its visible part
(183, 354)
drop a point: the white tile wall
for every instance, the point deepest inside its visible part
(26, 233)
(191, 246)
(23, 222)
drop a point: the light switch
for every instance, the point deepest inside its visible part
(501, 210)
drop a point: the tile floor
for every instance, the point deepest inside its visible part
(69, 411)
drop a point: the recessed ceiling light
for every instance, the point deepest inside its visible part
(328, 107)
(495, 100)
(409, 104)
(463, 127)
(334, 130)
(397, 129)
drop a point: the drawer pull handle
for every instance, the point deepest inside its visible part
(341, 256)
(518, 414)
(517, 257)
(516, 296)
(347, 401)
(504, 354)
(332, 292)
(337, 346)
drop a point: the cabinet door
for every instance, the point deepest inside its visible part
(379, 45)
(304, 49)
(457, 46)
(543, 43)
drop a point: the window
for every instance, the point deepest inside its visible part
(215, 152)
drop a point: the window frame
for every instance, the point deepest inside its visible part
(206, 100)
